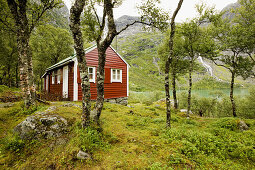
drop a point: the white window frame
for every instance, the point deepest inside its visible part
(47, 83)
(58, 76)
(53, 77)
(116, 80)
(93, 80)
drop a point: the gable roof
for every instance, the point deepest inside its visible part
(72, 58)
(120, 56)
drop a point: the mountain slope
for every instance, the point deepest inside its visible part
(59, 17)
(228, 13)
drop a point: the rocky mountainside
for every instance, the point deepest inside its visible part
(139, 48)
(228, 13)
(59, 17)
(134, 29)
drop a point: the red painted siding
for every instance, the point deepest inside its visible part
(70, 81)
(55, 88)
(114, 89)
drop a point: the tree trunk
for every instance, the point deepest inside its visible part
(232, 93)
(9, 75)
(100, 83)
(168, 102)
(167, 65)
(26, 73)
(25, 56)
(31, 80)
(17, 74)
(102, 47)
(75, 14)
(174, 89)
(190, 86)
(41, 80)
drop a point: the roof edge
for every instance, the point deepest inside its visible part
(71, 58)
(120, 56)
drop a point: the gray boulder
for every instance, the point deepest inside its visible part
(242, 125)
(42, 124)
(185, 111)
(83, 155)
(157, 105)
(71, 105)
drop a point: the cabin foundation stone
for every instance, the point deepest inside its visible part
(120, 100)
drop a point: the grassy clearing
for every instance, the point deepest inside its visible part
(134, 138)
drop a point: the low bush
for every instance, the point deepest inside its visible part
(219, 142)
(220, 105)
(91, 140)
(14, 144)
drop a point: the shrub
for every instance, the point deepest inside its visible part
(90, 139)
(204, 106)
(219, 142)
(14, 144)
(227, 123)
(4, 88)
(246, 105)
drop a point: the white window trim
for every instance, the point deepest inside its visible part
(58, 76)
(75, 81)
(53, 78)
(93, 80)
(115, 80)
(47, 83)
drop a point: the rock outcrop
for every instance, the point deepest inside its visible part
(83, 155)
(242, 125)
(42, 124)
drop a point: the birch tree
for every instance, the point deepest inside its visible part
(233, 45)
(167, 64)
(234, 40)
(75, 26)
(178, 65)
(26, 15)
(103, 31)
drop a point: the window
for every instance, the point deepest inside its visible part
(116, 75)
(92, 74)
(53, 78)
(58, 76)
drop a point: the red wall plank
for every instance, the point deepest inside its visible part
(112, 90)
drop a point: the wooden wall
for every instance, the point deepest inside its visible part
(114, 89)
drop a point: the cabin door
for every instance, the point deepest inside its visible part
(65, 82)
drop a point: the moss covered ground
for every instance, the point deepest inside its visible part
(131, 138)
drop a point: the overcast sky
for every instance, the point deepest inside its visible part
(187, 10)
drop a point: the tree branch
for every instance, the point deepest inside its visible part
(103, 21)
(7, 25)
(94, 10)
(221, 65)
(139, 22)
(176, 11)
(45, 7)
(249, 54)
(14, 10)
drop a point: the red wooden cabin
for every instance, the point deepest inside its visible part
(63, 78)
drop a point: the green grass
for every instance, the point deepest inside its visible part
(134, 138)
